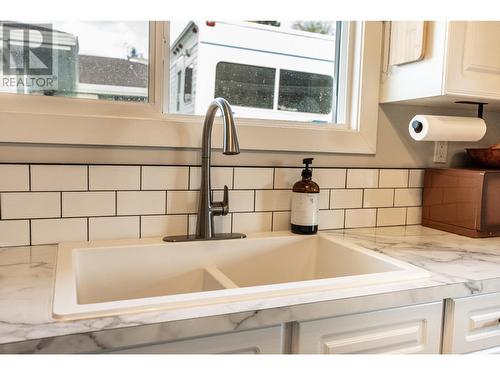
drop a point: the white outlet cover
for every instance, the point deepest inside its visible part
(440, 152)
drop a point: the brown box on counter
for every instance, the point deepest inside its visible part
(462, 201)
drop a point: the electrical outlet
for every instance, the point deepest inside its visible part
(440, 152)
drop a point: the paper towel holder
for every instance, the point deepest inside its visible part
(418, 127)
(480, 106)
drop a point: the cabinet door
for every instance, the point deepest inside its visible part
(412, 329)
(258, 341)
(495, 350)
(472, 323)
(473, 59)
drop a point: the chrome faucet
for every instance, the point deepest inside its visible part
(207, 208)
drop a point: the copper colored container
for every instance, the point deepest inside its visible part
(462, 201)
(485, 157)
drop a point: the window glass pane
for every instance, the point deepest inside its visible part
(188, 84)
(278, 70)
(305, 92)
(245, 85)
(92, 60)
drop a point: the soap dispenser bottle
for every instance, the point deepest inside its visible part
(305, 200)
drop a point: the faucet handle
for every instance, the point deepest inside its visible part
(225, 201)
(222, 208)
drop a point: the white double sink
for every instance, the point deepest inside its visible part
(95, 279)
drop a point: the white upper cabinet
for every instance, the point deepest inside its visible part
(460, 61)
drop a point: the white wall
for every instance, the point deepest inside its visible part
(395, 148)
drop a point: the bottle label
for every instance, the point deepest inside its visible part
(305, 208)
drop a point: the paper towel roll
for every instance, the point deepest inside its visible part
(447, 128)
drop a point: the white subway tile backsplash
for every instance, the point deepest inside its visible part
(378, 198)
(362, 178)
(416, 178)
(14, 233)
(281, 220)
(14, 177)
(284, 178)
(222, 224)
(165, 178)
(239, 200)
(88, 203)
(324, 199)
(182, 202)
(331, 219)
(30, 205)
(163, 225)
(251, 222)
(408, 197)
(391, 216)
(114, 177)
(47, 231)
(329, 177)
(358, 218)
(112, 228)
(140, 202)
(273, 200)
(58, 177)
(392, 178)
(219, 177)
(253, 178)
(346, 198)
(413, 215)
(120, 201)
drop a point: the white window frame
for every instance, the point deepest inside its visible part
(58, 120)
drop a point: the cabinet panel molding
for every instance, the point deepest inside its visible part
(482, 47)
(411, 329)
(258, 341)
(472, 324)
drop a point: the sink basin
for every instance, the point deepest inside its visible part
(115, 277)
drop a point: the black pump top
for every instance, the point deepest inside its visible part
(307, 172)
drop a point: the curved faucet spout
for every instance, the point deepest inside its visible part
(230, 137)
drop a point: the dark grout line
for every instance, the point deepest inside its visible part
(29, 177)
(254, 199)
(29, 232)
(140, 177)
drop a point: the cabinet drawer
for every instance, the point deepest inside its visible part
(472, 323)
(258, 341)
(412, 329)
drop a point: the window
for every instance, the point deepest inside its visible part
(295, 86)
(91, 60)
(188, 84)
(179, 85)
(305, 92)
(245, 85)
(274, 70)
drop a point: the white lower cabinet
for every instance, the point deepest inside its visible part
(472, 324)
(258, 341)
(411, 329)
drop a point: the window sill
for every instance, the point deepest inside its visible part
(175, 132)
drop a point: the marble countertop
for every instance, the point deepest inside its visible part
(459, 267)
